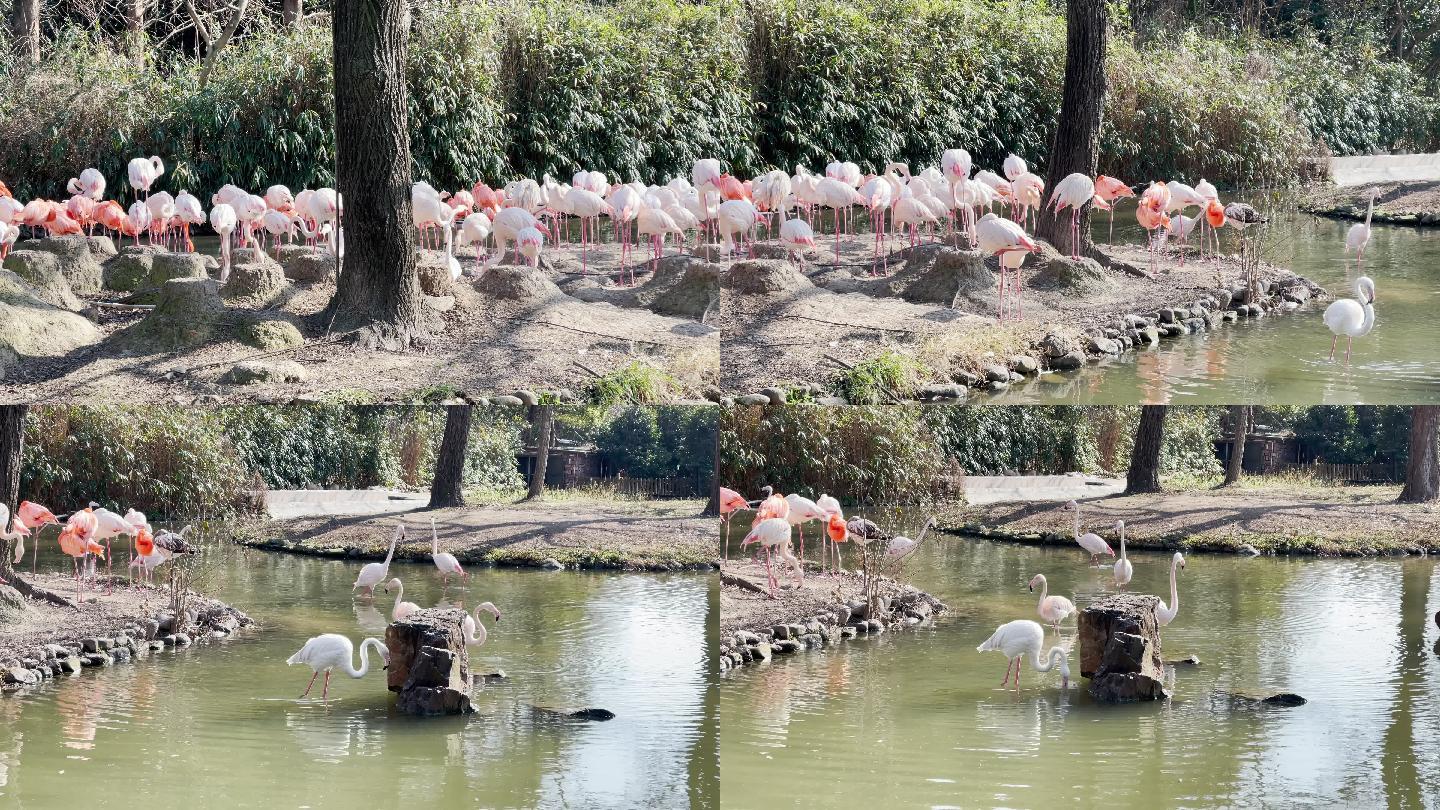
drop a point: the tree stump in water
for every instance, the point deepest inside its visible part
(429, 665)
(1120, 649)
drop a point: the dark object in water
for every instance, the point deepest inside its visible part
(1437, 618)
(574, 714)
(1280, 700)
(1187, 661)
(1286, 699)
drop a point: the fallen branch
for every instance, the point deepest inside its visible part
(37, 592)
(741, 582)
(626, 338)
(848, 325)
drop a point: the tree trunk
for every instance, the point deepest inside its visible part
(712, 506)
(25, 29)
(1239, 426)
(12, 445)
(291, 12)
(1076, 146)
(1422, 474)
(378, 291)
(445, 489)
(135, 42)
(542, 423)
(1144, 474)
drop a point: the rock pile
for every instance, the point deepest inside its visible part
(1120, 649)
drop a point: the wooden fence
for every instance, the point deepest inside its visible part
(1350, 473)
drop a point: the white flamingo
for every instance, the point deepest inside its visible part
(402, 609)
(773, 533)
(331, 650)
(1165, 614)
(1352, 317)
(1359, 234)
(473, 628)
(445, 561)
(1093, 543)
(1022, 636)
(374, 573)
(1053, 609)
(1123, 569)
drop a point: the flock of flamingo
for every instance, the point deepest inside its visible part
(777, 515)
(81, 536)
(331, 651)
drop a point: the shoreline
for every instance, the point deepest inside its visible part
(1415, 204)
(1274, 522)
(48, 641)
(932, 319)
(648, 537)
(823, 612)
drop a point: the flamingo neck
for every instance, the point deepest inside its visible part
(479, 635)
(1174, 594)
(1044, 588)
(434, 540)
(1369, 210)
(391, 553)
(364, 659)
(1053, 658)
(1122, 544)
(1369, 322)
(400, 593)
(1077, 522)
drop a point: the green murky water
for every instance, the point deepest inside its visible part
(221, 723)
(918, 718)
(1285, 359)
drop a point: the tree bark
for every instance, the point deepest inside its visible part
(1076, 145)
(292, 12)
(12, 446)
(1422, 474)
(1144, 474)
(712, 506)
(220, 42)
(135, 41)
(1239, 426)
(542, 423)
(445, 489)
(378, 291)
(25, 29)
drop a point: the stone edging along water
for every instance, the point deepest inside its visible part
(1055, 352)
(484, 557)
(68, 655)
(908, 607)
(1306, 545)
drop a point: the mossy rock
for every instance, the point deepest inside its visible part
(80, 258)
(307, 264)
(146, 268)
(255, 281)
(683, 286)
(188, 312)
(41, 270)
(271, 335)
(31, 327)
(251, 372)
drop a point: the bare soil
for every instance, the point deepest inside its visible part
(623, 535)
(1343, 521)
(1398, 203)
(485, 345)
(745, 606)
(99, 615)
(838, 316)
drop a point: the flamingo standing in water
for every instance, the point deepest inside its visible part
(332, 650)
(1123, 569)
(1352, 317)
(1110, 191)
(445, 561)
(375, 573)
(831, 507)
(109, 525)
(1359, 234)
(402, 609)
(473, 628)
(1052, 609)
(1093, 543)
(1021, 637)
(1164, 614)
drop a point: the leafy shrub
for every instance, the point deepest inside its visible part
(671, 441)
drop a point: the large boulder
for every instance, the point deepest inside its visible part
(429, 664)
(145, 268)
(188, 312)
(683, 286)
(255, 280)
(31, 327)
(80, 258)
(307, 264)
(41, 270)
(1120, 649)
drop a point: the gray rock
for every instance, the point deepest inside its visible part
(996, 386)
(776, 396)
(1055, 346)
(1024, 364)
(997, 373)
(785, 646)
(1068, 362)
(965, 378)
(752, 399)
(41, 271)
(307, 264)
(1104, 345)
(78, 257)
(527, 397)
(933, 391)
(760, 651)
(255, 281)
(183, 640)
(506, 400)
(92, 645)
(261, 371)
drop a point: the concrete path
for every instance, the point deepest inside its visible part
(1360, 169)
(292, 503)
(987, 489)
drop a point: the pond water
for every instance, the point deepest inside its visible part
(918, 718)
(184, 728)
(1284, 359)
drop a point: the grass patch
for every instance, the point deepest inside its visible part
(638, 382)
(880, 378)
(973, 349)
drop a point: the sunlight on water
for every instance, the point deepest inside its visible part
(918, 719)
(185, 728)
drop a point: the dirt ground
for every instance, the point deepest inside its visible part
(1342, 521)
(745, 606)
(626, 535)
(1399, 203)
(44, 622)
(798, 329)
(489, 339)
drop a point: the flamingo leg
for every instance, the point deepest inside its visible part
(325, 690)
(310, 685)
(1333, 340)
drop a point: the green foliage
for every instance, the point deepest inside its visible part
(1341, 434)
(859, 454)
(1000, 440)
(162, 461)
(673, 441)
(881, 379)
(637, 382)
(641, 88)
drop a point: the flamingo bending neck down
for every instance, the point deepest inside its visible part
(1052, 609)
(1020, 637)
(1093, 543)
(773, 533)
(445, 561)
(1164, 614)
(331, 650)
(473, 628)
(375, 573)
(1123, 569)
(1352, 317)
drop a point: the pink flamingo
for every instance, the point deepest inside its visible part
(773, 533)
(1074, 192)
(1052, 609)
(730, 503)
(445, 561)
